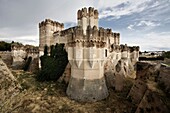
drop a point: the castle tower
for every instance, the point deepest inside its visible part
(116, 38)
(124, 58)
(46, 30)
(87, 18)
(134, 54)
(86, 54)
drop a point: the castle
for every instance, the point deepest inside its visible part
(89, 48)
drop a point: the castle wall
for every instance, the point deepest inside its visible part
(87, 82)
(6, 57)
(59, 39)
(87, 60)
(151, 102)
(18, 58)
(137, 91)
(164, 77)
(119, 65)
(21, 53)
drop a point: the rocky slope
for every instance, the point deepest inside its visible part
(9, 87)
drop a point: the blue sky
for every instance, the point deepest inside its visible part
(141, 22)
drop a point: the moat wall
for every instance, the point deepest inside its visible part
(6, 57)
(17, 58)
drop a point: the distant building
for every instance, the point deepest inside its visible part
(151, 53)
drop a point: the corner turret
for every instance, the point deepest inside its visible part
(87, 18)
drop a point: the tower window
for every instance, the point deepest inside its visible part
(105, 52)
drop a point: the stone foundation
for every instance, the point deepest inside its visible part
(87, 90)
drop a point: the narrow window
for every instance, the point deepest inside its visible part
(105, 52)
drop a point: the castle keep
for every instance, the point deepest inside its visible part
(90, 50)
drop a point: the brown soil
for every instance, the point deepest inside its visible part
(50, 97)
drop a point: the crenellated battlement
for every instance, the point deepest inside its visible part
(26, 48)
(32, 50)
(93, 34)
(70, 30)
(116, 35)
(90, 32)
(51, 22)
(90, 12)
(87, 17)
(134, 48)
(123, 48)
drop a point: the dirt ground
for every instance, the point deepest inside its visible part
(50, 97)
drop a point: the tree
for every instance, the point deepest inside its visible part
(152, 54)
(52, 51)
(27, 64)
(166, 54)
(45, 50)
(4, 46)
(140, 52)
(53, 66)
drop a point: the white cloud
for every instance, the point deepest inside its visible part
(130, 27)
(144, 24)
(134, 6)
(147, 23)
(155, 4)
(151, 41)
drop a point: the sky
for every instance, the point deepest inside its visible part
(144, 23)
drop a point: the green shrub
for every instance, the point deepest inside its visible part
(53, 66)
(27, 64)
(4, 46)
(166, 54)
(45, 50)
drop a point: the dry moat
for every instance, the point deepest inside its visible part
(23, 94)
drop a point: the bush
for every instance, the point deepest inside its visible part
(151, 58)
(53, 66)
(4, 46)
(166, 54)
(45, 50)
(27, 64)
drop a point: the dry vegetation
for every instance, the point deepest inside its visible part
(50, 97)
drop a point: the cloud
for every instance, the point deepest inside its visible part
(126, 8)
(130, 27)
(150, 41)
(147, 23)
(143, 24)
